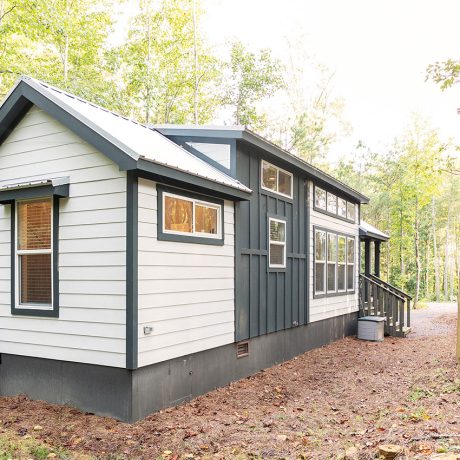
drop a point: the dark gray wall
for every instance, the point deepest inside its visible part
(268, 301)
(129, 395)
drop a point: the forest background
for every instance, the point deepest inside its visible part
(156, 65)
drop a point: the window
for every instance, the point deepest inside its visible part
(320, 261)
(34, 250)
(334, 263)
(331, 204)
(276, 180)
(350, 263)
(342, 208)
(341, 264)
(351, 211)
(189, 218)
(331, 261)
(277, 243)
(220, 153)
(320, 198)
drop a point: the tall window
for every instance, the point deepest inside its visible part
(34, 252)
(341, 263)
(277, 243)
(320, 261)
(276, 180)
(334, 263)
(320, 198)
(350, 263)
(331, 261)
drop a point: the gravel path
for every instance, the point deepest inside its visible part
(432, 321)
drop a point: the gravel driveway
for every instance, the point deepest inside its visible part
(422, 321)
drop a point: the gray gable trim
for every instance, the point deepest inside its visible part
(25, 193)
(274, 152)
(27, 92)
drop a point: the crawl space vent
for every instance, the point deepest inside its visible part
(242, 349)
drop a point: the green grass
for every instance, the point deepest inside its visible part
(26, 448)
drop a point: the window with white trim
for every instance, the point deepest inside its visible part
(334, 263)
(189, 216)
(320, 261)
(276, 180)
(277, 243)
(34, 254)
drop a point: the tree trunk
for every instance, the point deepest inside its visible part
(427, 266)
(417, 256)
(446, 258)
(435, 253)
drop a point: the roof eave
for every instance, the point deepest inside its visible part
(182, 179)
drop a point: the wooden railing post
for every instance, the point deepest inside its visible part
(408, 311)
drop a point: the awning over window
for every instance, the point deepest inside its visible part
(58, 186)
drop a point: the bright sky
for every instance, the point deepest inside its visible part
(378, 51)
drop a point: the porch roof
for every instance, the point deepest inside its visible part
(369, 232)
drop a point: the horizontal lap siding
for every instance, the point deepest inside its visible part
(327, 307)
(91, 327)
(186, 290)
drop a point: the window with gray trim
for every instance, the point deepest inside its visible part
(276, 180)
(334, 263)
(333, 205)
(188, 217)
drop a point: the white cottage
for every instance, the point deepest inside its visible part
(141, 266)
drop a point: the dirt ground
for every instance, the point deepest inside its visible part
(350, 393)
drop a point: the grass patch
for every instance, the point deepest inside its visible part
(12, 448)
(417, 393)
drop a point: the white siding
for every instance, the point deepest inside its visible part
(91, 324)
(186, 290)
(327, 307)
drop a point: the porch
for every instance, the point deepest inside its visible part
(376, 296)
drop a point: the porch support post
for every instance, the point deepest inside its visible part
(367, 257)
(377, 258)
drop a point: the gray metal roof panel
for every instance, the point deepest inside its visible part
(136, 140)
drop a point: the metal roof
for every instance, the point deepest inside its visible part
(248, 136)
(138, 143)
(369, 231)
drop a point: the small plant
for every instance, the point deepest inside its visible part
(417, 416)
(39, 452)
(419, 393)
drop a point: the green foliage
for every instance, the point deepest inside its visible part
(157, 65)
(251, 78)
(445, 74)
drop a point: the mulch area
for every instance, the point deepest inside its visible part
(349, 393)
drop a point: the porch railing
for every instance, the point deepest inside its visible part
(379, 298)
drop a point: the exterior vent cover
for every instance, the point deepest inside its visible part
(242, 349)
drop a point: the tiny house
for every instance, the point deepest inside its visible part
(143, 265)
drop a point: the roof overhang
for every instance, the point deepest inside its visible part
(250, 138)
(369, 232)
(58, 187)
(28, 92)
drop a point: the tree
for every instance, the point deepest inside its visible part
(251, 77)
(61, 42)
(166, 66)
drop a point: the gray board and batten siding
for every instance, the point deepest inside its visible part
(268, 300)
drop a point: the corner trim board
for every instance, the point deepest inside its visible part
(132, 270)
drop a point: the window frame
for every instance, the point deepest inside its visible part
(34, 309)
(277, 267)
(278, 169)
(335, 263)
(337, 292)
(348, 264)
(336, 214)
(196, 199)
(315, 262)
